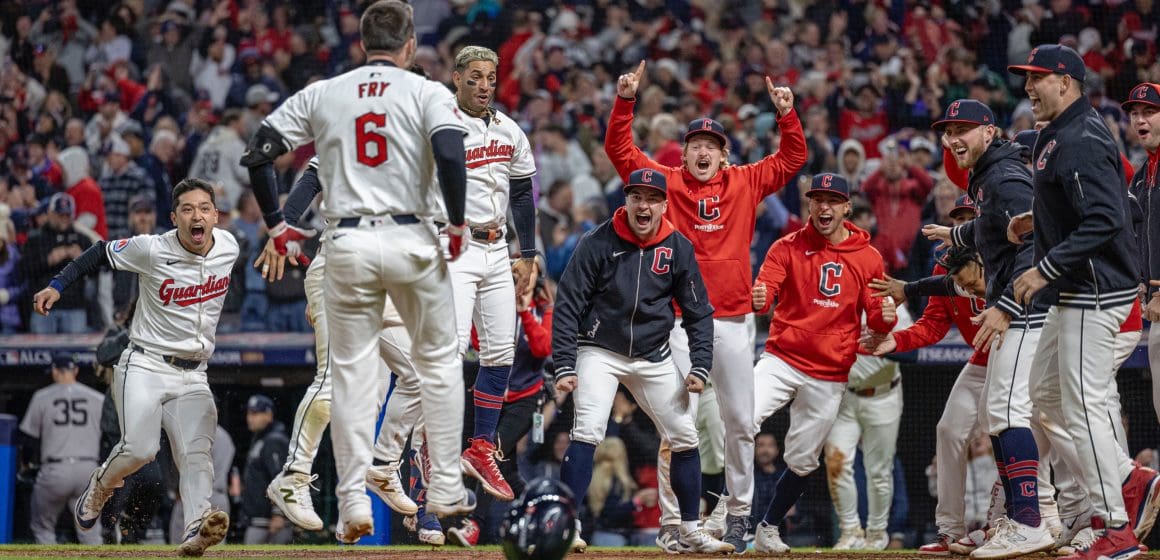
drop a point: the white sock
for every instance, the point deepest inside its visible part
(689, 526)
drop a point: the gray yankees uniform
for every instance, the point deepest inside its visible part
(66, 417)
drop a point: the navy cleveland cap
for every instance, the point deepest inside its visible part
(710, 127)
(259, 403)
(1144, 94)
(1026, 138)
(963, 203)
(831, 183)
(1052, 59)
(965, 111)
(646, 177)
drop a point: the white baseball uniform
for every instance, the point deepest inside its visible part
(160, 381)
(372, 127)
(870, 414)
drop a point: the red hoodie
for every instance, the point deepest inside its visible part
(821, 291)
(718, 216)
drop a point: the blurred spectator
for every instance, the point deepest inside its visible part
(559, 157)
(164, 151)
(852, 163)
(61, 25)
(11, 287)
(766, 471)
(211, 65)
(45, 70)
(122, 180)
(142, 221)
(263, 523)
(251, 226)
(252, 75)
(111, 44)
(90, 202)
(922, 152)
(663, 134)
(610, 496)
(898, 190)
(39, 163)
(108, 118)
(260, 100)
(74, 133)
(46, 253)
(865, 120)
(820, 143)
(937, 211)
(172, 52)
(217, 159)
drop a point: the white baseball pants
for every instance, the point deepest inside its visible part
(485, 294)
(1071, 373)
(149, 395)
(952, 448)
(365, 265)
(873, 421)
(812, 414)
(723, 430)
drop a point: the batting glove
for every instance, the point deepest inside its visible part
(286, 241)
(456, 241)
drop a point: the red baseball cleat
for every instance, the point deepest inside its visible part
(466, 535)
(479, 462)
(940, 547)
(1142, 500)
(1113, 544)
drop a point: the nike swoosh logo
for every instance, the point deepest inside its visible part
(618, 253)
(337, 235)
(172, 262)
(808, 253)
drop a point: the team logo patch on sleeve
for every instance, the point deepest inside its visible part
(1041, 164)
(119, 245)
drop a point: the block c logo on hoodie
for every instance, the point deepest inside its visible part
(828, 285)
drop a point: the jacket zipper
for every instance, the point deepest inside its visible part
(1091, 266)
(635, 304)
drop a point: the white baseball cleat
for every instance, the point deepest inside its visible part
(290, 493)
(876, 539)
(1014, 539)
(669, 540)
(350, 532)
(578, 544)
(851, 539)
(384, 482)
(767, 540)
(90, 504)
(205, 532)
(699, 542)
(715, 523)
(967, 544)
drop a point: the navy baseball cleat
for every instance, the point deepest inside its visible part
(89, 505)
(464, 506)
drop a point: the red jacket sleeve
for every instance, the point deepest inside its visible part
(774, 171)
(772, 274)
(871, 303)
(934, 324)
(626, 157)
(1129, 171)
(538, 333)
(957, 176)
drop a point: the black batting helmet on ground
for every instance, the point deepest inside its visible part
(542, 524)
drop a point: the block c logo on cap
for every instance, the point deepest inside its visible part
(953, 110)
(827, 181)
(646, 176)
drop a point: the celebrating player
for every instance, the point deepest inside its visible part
(1007, 330)
(1143, 108)
(1083, 251)
(714, 205)
(959, 418)
(160, 381)
(377, 129)
(819, 275)
(634, 266)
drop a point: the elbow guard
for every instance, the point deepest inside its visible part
(266, 145)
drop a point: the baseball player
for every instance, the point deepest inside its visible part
(959, 417)
(1007, 330)
(1084, 251)
(868, 418)
(290, 490)
(819, 276)
(63, 423)
(499, 172)
(1143, 108)
(160, 381)
(380, 132)
(634, 266)
(714, 205)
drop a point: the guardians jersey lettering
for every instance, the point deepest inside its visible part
(186, 296)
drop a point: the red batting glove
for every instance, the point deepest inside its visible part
(456, 240)
(283, 234)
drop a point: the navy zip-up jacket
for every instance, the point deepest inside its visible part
(1147, 230)
(617, 293)
(1000, 185)
(1084, 243)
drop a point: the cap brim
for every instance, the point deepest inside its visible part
(644, 186)
(1022, 69)
(720, 137)
(960, 208)
(811, 192)
(1127, 105)
(939, 125)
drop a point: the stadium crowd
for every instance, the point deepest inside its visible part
(103, 108)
